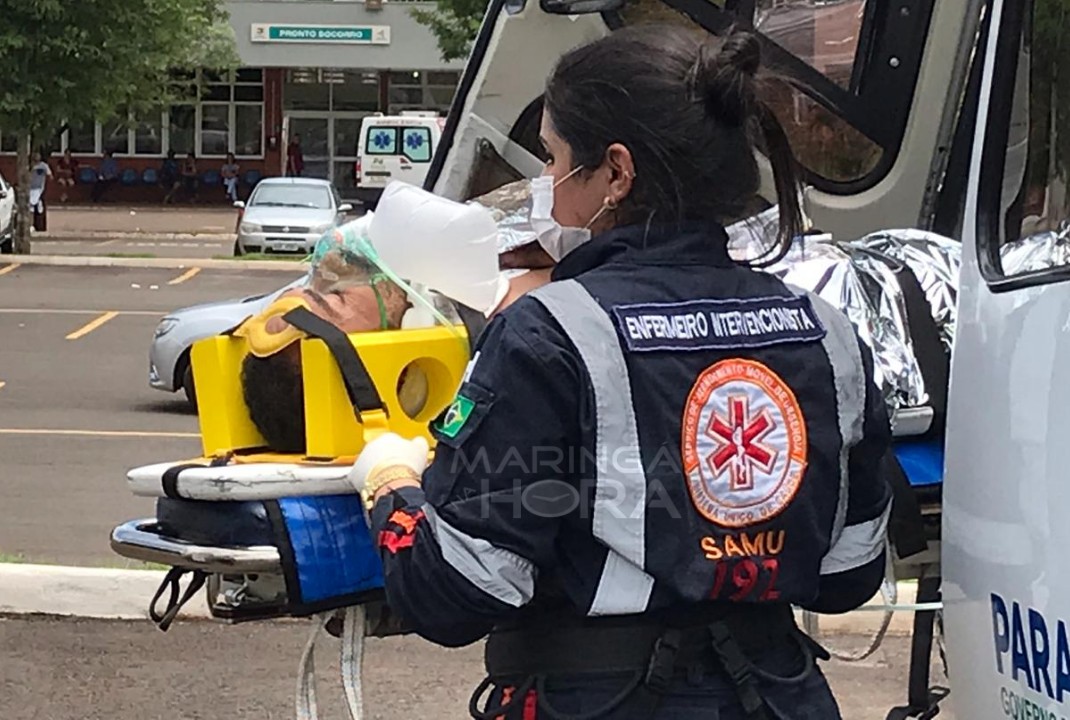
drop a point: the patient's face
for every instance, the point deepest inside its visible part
(352, 309)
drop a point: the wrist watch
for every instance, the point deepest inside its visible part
(378, 478)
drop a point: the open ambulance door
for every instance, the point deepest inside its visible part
(1007, 496)
(872, 131)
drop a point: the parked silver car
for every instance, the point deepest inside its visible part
(288, 215)
(169, 363)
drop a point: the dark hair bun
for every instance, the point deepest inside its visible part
(725, 72)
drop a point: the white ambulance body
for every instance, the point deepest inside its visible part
(395, 147)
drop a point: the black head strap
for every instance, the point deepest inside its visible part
(474, 322)
(359, 384)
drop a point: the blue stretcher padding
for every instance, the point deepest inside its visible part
(332, 547)
(922, 461)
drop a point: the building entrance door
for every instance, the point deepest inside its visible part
(329, 143)
(314, 130)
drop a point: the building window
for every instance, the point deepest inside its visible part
(420, 90)
(329, 89)
(82, 138)
(248, 130)
(215, 129)
(228, 116)
(182, 128)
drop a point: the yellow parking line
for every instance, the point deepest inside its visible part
(184, 276)
(9, 268)
(71, 311)
(97, 433)
(92, 325)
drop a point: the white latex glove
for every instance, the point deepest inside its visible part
(386, 450)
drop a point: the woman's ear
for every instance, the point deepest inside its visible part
(622, 173)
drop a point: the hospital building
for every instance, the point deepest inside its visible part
(310, 67)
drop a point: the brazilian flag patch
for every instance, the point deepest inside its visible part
(456, 416)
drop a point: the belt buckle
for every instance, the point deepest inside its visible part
(659, 670)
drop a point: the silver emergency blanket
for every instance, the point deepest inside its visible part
(511, 206)
(858, 278)
(1037, 252)
(935, 261)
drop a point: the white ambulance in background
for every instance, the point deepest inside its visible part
(395, 147)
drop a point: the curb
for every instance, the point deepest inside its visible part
(84, 592)
(125, 595)
(170, 263)
(92, 235)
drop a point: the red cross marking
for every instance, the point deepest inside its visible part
(738, 439)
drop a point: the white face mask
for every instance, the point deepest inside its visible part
(556, 240)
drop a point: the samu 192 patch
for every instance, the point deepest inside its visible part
(464, 414)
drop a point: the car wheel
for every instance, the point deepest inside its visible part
(188, 388)
(7, 245)
(238, 252)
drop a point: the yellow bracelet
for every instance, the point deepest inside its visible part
(377, 478)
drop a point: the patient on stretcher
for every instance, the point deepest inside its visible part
(352, 292)
(271, 374)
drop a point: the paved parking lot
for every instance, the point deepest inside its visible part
(76, 411)
(99, 670)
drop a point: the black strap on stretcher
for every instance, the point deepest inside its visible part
(474, 322)
(172, 581)
(923, 701)
(359, 385)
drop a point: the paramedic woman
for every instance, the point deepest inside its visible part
(653, 456)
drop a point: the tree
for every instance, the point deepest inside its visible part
(72, 61)
(454, 23)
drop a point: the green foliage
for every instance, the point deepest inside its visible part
(1049, 92)
(80, 61)
(454, 23)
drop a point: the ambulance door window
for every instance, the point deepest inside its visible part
(852, 66)
(416, 144)
(1023, 229)
(381, 140)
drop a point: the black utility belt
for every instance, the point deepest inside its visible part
(605, 648)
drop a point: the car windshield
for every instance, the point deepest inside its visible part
(296, 195)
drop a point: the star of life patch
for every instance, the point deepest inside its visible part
(718, 324)
(744, 443)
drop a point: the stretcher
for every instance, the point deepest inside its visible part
(270, 535)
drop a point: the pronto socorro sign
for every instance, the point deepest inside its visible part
(1034, 651)
(345, 34)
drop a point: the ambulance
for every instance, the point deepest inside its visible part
(944, 118)
(394, 147)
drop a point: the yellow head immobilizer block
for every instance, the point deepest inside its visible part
(433, 355)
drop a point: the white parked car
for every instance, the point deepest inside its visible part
(288, 215)
(7, 216)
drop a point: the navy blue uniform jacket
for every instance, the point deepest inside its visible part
(658, 427)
